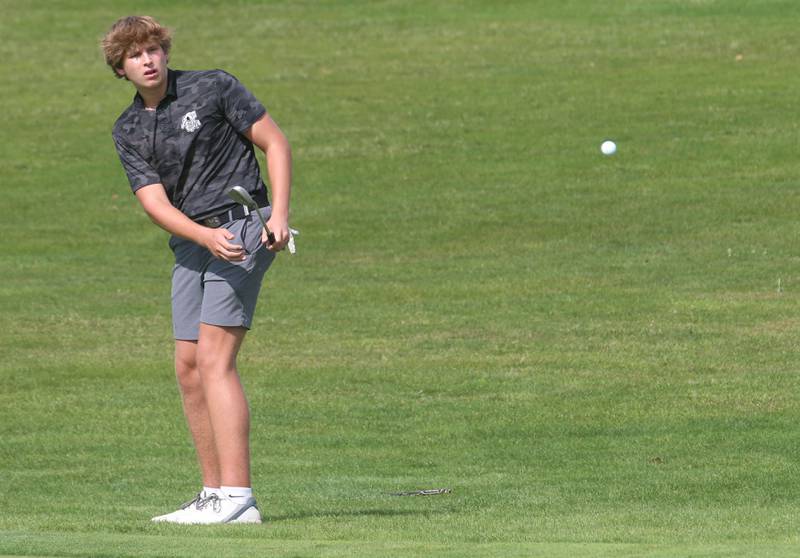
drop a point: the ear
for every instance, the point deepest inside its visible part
(120, 72)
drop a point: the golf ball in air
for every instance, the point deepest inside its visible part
(608, 147)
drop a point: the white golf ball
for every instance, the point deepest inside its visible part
(608, 147)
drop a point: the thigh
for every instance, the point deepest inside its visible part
(231, 289)
(191, 262)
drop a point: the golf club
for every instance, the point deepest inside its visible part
(240, 195)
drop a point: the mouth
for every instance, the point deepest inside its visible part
(151, 73)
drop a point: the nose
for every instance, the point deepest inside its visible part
(146, 58)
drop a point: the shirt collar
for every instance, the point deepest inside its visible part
(172, 90)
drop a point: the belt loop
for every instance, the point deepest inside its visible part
(246, 210)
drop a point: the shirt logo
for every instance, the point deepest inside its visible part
(190, 123)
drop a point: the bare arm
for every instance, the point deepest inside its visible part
(158, 207)
(266, 135)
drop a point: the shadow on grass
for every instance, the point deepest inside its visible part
(353, 513)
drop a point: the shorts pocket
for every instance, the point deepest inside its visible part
(251, 231)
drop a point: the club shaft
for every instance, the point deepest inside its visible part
(240, 195)
(270, 236)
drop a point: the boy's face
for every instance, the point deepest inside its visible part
(145, 66)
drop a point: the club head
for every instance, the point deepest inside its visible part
(240, 195)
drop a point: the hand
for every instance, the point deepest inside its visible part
(217, 243)
(280, 234)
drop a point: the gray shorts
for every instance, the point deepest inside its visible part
(216, 292)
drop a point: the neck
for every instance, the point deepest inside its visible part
(153, 96)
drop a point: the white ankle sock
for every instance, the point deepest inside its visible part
(237, 493)
(209, 490)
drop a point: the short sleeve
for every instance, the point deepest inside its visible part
(241, 108)
(140, 172)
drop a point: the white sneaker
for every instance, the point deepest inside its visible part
(182, 513)
(223, 509)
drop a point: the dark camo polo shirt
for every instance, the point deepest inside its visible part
(192, 143)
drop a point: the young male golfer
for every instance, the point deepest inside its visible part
(186, 139)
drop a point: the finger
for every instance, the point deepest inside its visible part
(276, 246)
(230, 251)
(230, 257)
(223, 236)
(278, 237)
(232, 247)
(267, 237)
(223, 243)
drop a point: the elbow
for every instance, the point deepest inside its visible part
(151, 212)
(152, 216)
(152, 208)
(279, 145)
(281, 154)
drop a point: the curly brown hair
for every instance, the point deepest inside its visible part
(129, 33)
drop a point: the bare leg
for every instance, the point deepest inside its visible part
(217, 349)
(196, 410)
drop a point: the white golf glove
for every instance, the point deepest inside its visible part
(290, 245)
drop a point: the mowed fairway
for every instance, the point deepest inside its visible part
(598, 355)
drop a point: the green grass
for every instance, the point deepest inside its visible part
(597, 354)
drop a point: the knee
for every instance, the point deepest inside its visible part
(188, 375)
(211, 365)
